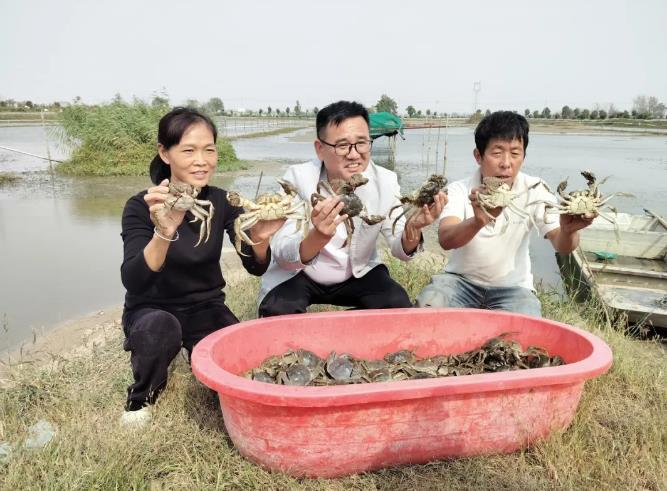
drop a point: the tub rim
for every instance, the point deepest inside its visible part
(226, 383)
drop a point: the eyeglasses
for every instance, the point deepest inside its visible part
(344, 149)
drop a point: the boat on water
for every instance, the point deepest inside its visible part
(624, 268)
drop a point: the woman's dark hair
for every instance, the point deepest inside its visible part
(338, 112)
(170, 131)
(504, 125)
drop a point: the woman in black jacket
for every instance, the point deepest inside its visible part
(174, 289)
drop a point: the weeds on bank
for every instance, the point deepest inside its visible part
(118, 139)
(618, 439)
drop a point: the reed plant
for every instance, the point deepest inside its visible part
(118, 139)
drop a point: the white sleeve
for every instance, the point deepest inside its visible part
(286, 242)
(457, 198)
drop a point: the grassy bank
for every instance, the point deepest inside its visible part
(118, 139)
(618, 439)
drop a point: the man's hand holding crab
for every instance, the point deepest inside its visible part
(482, 216)
(325, 219)
(569, 224)
(426, 215)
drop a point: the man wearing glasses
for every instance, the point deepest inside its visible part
(321, 268)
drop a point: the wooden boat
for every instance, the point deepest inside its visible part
(625, 269)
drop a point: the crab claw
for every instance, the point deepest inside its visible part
(561, 187)
(288, 187)
(234, 198)
(589, 176)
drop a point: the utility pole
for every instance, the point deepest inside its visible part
(476, 88)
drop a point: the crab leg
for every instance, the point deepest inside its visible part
(349, 227)
(200, 214)
(627, 195)
(393, 225)
(522, 213)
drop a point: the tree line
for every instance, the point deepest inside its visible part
(644, 107)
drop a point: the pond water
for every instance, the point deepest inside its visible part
(60, 246)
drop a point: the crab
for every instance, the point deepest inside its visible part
(269, 206)
(425, 195)
(352, 205)
(497, 194)
(587, 202)
(183, 197)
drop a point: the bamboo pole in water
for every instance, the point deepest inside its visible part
(444, 158)
(46, 139)
(28, 153)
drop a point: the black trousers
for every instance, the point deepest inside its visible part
(375, 290)
(155, 335)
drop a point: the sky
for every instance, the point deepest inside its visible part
(254, 54)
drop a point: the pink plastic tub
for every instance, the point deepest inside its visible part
(338, 430)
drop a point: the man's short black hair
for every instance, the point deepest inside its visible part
(338, 112)
(504, 125)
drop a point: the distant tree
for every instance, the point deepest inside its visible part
(546, 113)
(215, 106)
(566, 112)
(315, 110)
(526, 113)
(602, 114)
(277, 112)
(268, 110)
(488, 112)
(640, 105)
(428, 112)
(287, 110)
(557, 116)
(297, 109)
(435, 114)
(595, 114)
(576, 112)
(29, 104)
(261, 111)
(419, 113)
(56, 105)
(386, 104)
(625, 114)
(411, 111)
(77, 100)
(585, 114)
(536, 113)
(193, 103)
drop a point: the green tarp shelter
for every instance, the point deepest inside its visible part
(385, 124)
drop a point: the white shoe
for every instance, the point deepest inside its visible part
(137, 419)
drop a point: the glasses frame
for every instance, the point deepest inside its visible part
(349, 147)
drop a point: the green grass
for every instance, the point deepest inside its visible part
(119, 139)
(618, 439)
